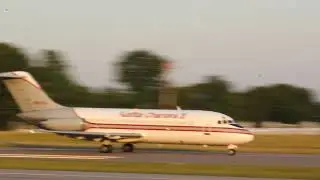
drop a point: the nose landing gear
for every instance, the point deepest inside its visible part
(232, 150)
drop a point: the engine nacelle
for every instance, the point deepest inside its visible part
(63, 124)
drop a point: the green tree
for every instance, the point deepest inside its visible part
(290, 104)
(55, 61)
(12, 58)
(141, 71)
(56, 81)
(209, 95)
(257, 105)
(280, 102)
(236, 105)
(315, 112)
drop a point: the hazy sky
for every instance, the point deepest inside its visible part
(240, 40)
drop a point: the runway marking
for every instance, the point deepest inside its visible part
(56, 156)
(83, 176)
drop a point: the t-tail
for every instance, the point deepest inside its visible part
(27, 92)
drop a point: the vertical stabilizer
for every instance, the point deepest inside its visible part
(27, 92)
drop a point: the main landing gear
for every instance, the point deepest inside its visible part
(128, 147)
(232, 150)
(108, 148)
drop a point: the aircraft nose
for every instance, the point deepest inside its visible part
(250, 136)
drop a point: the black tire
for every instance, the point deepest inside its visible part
(106, 148)
(128, 147)
(232, 152)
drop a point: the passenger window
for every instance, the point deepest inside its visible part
(219, 122)
(230, 121)
(225, 122)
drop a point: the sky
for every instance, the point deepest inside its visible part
(248, 42)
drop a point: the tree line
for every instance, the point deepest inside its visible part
(142, 73)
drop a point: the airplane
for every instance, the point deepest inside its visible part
(125, 126)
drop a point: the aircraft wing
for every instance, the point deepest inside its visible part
(96, 135)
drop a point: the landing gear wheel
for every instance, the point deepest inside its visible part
(232, 152)
(128, 147)
(106, 148)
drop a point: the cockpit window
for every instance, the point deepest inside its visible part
(231, 122)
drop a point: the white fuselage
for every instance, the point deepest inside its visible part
(167, 126)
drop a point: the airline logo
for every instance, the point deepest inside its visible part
(152, 115)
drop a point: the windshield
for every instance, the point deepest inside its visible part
(230, 122)
(236, 125)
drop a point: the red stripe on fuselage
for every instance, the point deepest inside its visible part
(89, 125)
(147, 125)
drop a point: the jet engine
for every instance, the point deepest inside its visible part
(63, 124)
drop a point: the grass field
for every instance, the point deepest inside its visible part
(304, 144)
(164, 168)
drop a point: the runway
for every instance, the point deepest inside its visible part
(73, 175)
(162, 156)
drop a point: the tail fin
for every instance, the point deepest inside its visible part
(27, 92)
